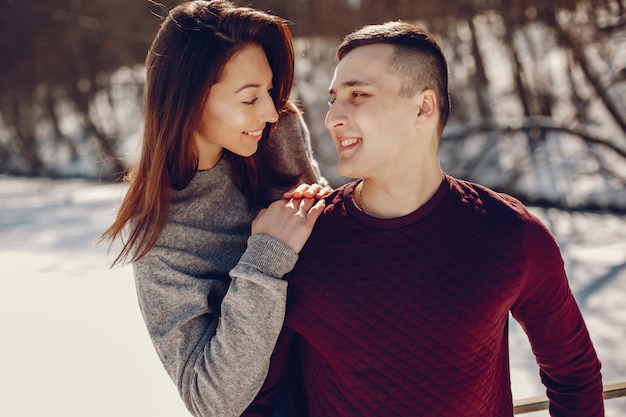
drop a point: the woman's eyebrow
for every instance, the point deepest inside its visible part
(251, 85)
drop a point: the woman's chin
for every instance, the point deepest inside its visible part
(245, 153)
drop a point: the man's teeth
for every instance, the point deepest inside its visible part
(255, 133)
(348, 142)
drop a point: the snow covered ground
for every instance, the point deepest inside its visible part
(73, 340)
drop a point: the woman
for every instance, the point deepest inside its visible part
(208, 277)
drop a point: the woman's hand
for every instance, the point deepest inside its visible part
(289, 221)
(308, 191)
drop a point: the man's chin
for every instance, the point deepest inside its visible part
(346, 171)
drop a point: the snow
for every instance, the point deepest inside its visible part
(74, 343)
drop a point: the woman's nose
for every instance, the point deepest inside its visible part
(269, 113)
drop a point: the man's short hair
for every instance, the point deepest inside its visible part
(418, 59)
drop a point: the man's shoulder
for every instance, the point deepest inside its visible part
(336, 199)
(483, 198)
(334, 215)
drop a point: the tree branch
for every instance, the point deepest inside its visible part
(531, 123)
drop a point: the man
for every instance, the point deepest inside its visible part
(399, 303)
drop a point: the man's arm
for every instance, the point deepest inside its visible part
(550, 316)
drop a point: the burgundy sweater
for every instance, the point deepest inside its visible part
(408, 316)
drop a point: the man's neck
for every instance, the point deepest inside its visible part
(391, 199)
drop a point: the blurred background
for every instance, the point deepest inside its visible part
(538, 93)
(538, 88)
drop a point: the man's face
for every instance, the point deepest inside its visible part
(372, 126)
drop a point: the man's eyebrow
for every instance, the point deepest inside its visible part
(347, 84)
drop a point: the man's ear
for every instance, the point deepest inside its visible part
(426, 102)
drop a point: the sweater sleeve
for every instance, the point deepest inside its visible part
(291, 143)
(263, 404)
(550, 316)
(217, 351)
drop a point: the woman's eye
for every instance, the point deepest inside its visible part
(331, 101)
(253, 100)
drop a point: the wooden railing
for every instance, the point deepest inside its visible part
(527, 405)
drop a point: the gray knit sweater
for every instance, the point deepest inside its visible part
(211, 295)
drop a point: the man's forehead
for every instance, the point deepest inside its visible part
(362, 66)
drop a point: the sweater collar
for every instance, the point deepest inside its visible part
(417, 215)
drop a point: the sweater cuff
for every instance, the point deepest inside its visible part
(269, 255)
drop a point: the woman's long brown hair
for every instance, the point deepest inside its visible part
(187, 56)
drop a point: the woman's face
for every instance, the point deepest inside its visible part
(237, 108)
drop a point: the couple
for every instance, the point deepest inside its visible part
(398, 299)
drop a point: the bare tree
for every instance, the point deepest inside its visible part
(537, 87)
